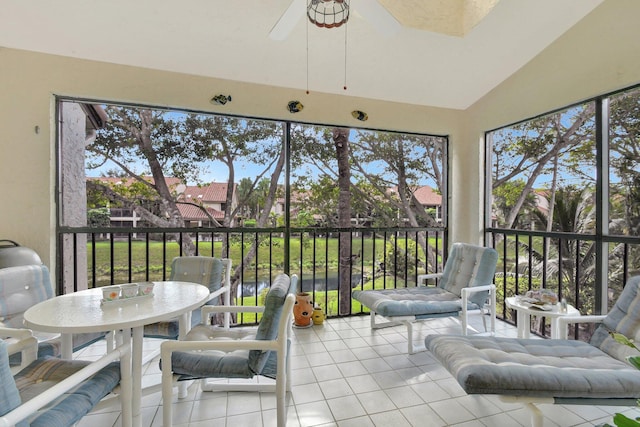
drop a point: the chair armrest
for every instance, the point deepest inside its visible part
(209, 309)
(20, 341)
(465, 292)
(226, 291)
(565, 321)
(168, 347)
(475, 289)
(425, 277)
(15, 333)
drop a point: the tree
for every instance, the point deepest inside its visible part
(133, 134)
(405, 160)
(574, 213)
(142, 142)
(233, 141)
(98, 217)
(525, 151)
(341, 143)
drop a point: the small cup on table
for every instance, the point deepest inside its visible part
(111, 293)
(145, 288)
(129, 290)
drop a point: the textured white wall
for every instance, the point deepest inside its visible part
(73, 136)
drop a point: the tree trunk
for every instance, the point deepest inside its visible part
(341, 142)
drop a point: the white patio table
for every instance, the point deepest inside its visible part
(82, 311)
(525, 311)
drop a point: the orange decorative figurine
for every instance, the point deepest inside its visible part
(302, 310)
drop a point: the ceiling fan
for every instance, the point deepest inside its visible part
(370, 10)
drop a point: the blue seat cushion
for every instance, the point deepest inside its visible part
(213, 363)
(534, 367)
(68, 409)
(239, 363)
(421, 301)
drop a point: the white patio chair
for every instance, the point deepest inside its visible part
(223, 353)
(51, 392)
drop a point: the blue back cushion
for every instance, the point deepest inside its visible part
(204, 270)
(623, 318)
(268, 327)
(468, 266)
(22, 287)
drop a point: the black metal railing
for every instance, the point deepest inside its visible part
(586, 270)
(92, 257)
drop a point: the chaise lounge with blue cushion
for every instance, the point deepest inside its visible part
(465, 284)
(533, 371)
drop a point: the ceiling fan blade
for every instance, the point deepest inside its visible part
(373, 12)
(288, 20)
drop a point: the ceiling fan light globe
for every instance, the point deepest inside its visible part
(328, 13)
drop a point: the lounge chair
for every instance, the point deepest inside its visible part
(465, 284)
(533, 371)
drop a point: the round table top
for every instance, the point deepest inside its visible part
(512, 302)
(82, 311)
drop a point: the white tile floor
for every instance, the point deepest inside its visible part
(346, 375)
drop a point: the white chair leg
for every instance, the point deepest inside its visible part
(125, 389)
(281, 382)
(530, 403)
(492, 310)
(537, 419)
(464, 318)
(167, 390)
(182, 389)
(288, 371)
(281, 406)
(484, 321)
(410, 348)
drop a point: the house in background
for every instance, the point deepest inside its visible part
(430, 200)
(126, 216)
(198, 204)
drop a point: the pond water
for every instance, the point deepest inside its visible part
(308, 285)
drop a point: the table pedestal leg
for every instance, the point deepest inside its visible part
(119, 338)
(67, 346)
(136, 375)
(555, 328)
(524, 324)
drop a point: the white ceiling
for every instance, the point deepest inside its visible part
(229, 39)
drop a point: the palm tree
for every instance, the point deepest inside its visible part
(571, 260)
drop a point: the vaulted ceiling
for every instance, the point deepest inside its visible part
(442, 53)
